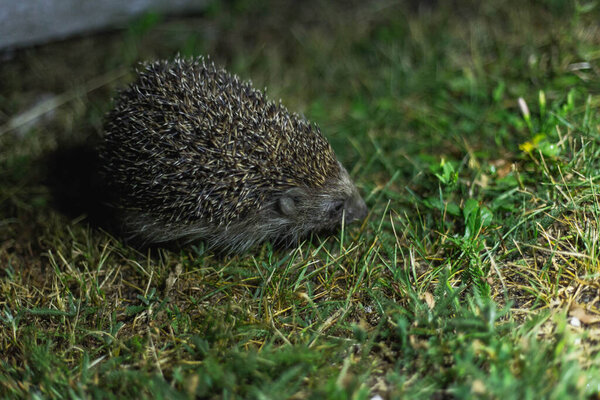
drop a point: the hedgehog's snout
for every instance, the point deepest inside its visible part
(355, 209)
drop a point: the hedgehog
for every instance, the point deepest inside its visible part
(192, 153)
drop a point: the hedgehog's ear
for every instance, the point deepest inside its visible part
(289, 200)
(287, 206)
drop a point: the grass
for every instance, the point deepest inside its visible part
(472, 129)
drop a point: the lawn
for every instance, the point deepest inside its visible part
(472, 129)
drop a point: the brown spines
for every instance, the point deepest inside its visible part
(192, 142)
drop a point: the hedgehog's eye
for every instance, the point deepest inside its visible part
(336, 208)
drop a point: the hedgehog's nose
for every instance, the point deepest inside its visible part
(355, 209)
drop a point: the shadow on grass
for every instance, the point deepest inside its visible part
(72, 174)
(79, 191)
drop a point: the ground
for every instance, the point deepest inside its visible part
(472, 130)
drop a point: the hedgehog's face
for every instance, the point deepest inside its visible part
(308, 210)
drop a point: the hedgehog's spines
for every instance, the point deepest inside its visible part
(190, 147)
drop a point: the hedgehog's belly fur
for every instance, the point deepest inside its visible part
(191, 152)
